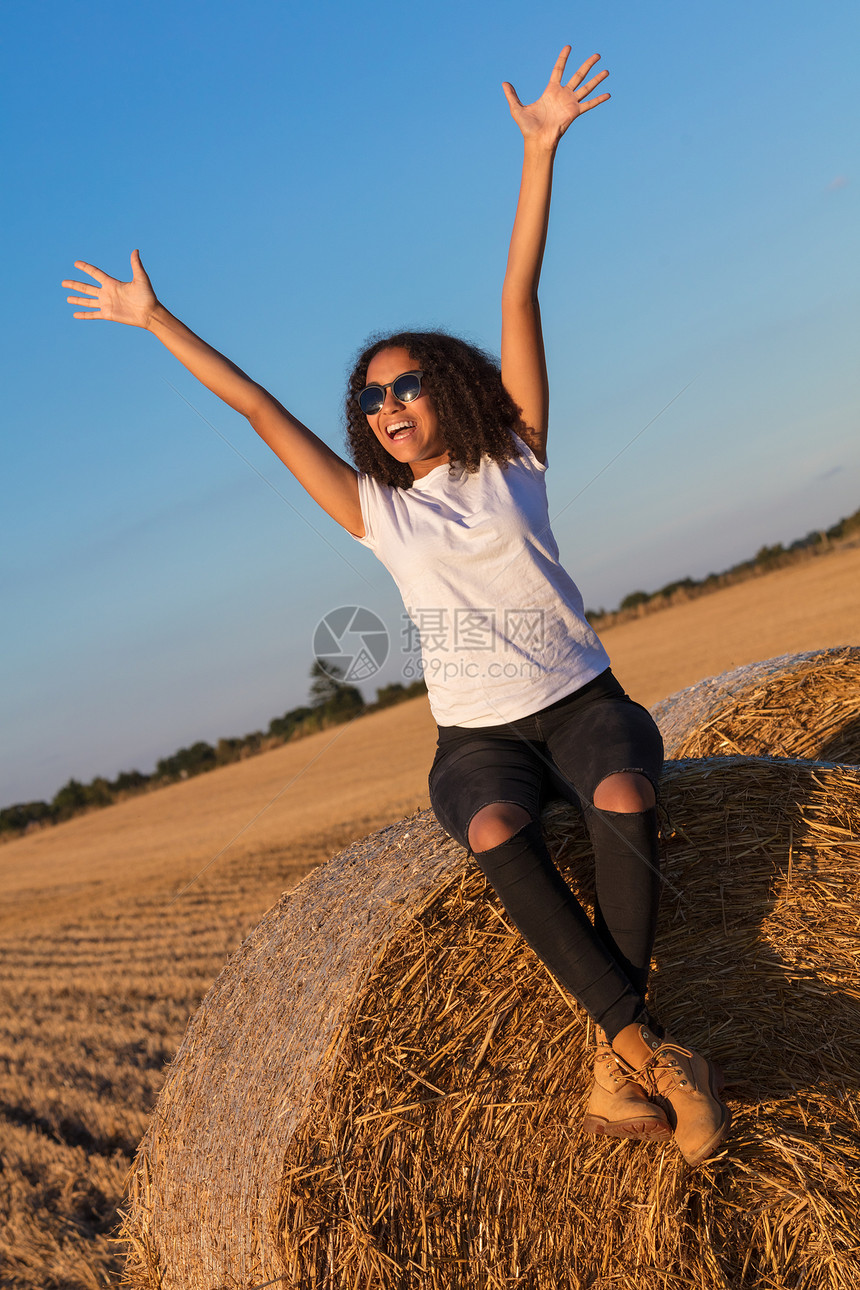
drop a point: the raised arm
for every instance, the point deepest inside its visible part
(330, 480)
(542, 124)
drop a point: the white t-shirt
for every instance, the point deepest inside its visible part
(502, 628)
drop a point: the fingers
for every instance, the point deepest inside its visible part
(560, 63)
(512, 96)
(584, 107)
(585, 90)
(98, 274)
(138, 272)
(90, 298)
(80, 286)
(580, 74)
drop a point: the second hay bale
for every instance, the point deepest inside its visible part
(797, 705)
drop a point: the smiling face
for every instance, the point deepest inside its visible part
(410, 432)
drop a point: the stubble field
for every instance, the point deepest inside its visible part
(115, 924)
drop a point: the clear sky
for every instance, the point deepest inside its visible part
(298, 176)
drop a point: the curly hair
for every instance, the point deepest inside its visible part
(475, 412)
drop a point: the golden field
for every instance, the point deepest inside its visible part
(114, 924)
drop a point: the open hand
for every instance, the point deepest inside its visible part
(546, 120)
(114, 301)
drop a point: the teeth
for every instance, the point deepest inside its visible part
(398, 426)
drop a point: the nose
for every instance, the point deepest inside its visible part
(395, 403)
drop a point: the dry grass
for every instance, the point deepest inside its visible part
(101, 972)
(94, 1003)
(799, 705)
(417, 1076)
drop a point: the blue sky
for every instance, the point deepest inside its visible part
(299, 176)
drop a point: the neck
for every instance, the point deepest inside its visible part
(421, 468)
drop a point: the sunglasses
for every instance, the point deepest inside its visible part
(406, 387)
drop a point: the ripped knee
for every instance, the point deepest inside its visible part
(626, 792)
(495, 824)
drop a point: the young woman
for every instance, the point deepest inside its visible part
(449, 494)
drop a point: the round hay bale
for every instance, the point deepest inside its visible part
(384, 1086)
(797, 705)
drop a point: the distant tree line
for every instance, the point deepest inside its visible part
(638, 603)
(331, 702)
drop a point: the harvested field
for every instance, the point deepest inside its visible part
(799, 705)
(417, 1075)
(102, 965)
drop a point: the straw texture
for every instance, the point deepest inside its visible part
(384, 1087)
(797, 705)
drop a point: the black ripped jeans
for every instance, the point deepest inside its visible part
(566, 750)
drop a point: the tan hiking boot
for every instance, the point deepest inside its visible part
(617, 1107)
(689, 1083)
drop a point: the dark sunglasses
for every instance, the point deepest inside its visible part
(406, 387)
